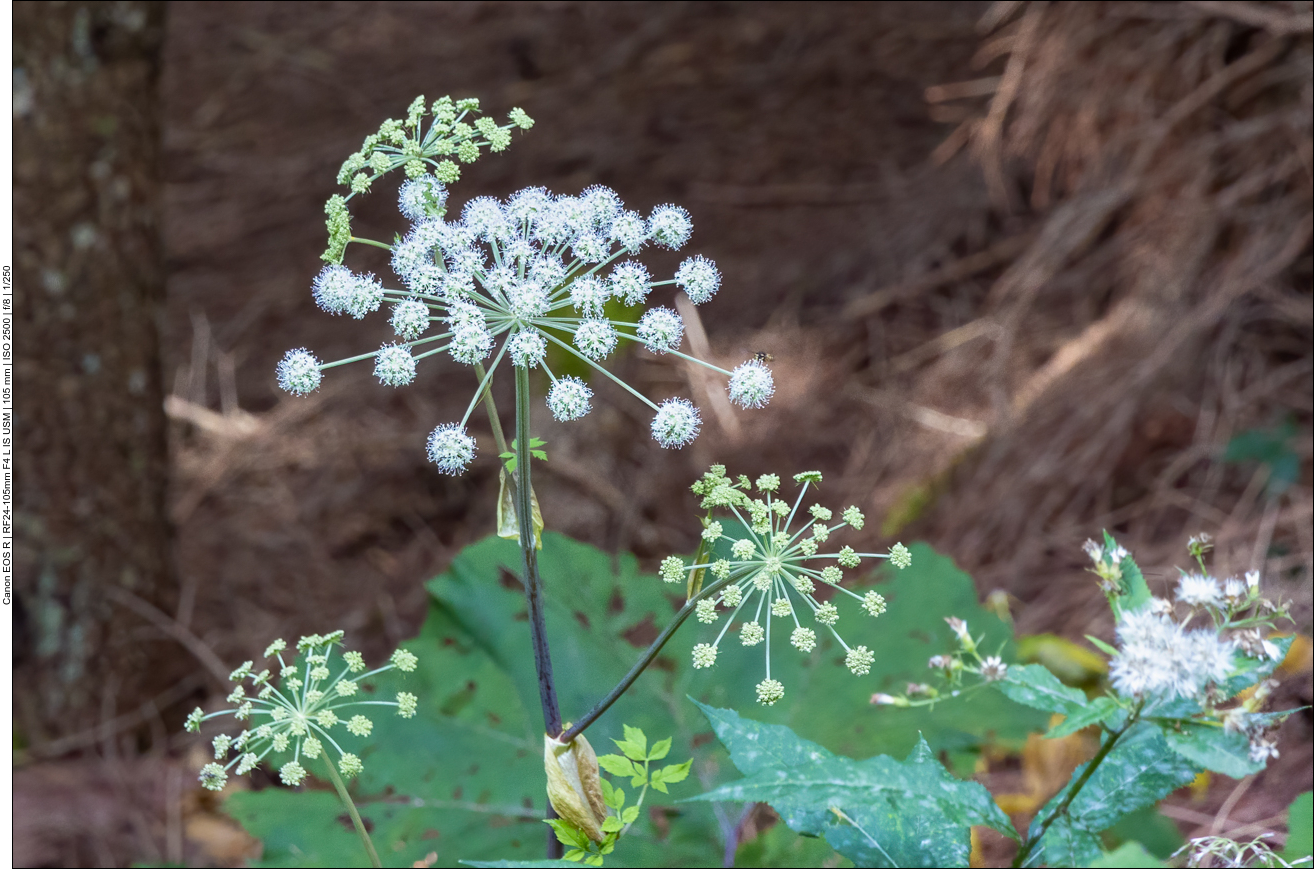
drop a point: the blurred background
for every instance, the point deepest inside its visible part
(1026, 271)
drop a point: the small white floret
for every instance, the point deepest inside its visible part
(676, 424)
(569, 399)
(451, 449)
(751, 385)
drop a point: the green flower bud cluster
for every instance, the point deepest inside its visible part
(454, 132)
(778, 564)
(295, 709)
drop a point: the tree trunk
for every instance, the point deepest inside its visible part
(91, 458)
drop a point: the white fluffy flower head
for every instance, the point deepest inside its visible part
(507, 279)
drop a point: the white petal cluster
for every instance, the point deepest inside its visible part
(676, 423)
(298, 372)
(569, 399)
(511, 277)
(451, 449)
(1159, 657)
(394, 365)
(751, 384)
(699, 279)
(338, 290)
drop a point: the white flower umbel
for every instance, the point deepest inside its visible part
(292, 714)
(774, 570)
(510, 279)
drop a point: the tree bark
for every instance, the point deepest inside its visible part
(91, 455)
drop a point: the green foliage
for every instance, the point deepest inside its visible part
(1147, 828)
(1272, 447)
(1032, 685)
(635, 763)
(1252, 670)
(1212, 747)
(464, 777)
(1101, 710)
(877, 812)
(1139, 771)
(1300, 829)
(1128, 855)
(509, 457)
(828, 705)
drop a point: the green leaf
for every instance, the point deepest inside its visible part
(1251, 671)
(660, 749)
(1032, 685)
(568, 833)
(1146, 827)
(630, 814)
(1214, 748)
(1128, 855)
(1102, 646)
(1066, 844)
(1300, 828)
(1098, 711)
(517, 864)
(676, 772)
(1140, 770)
(891, 813)
(611, 824)
(635, 744)
(617, 765)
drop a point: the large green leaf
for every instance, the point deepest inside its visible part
(1032, 685)
(1212, 747)
(1140, 770)
(877, 812)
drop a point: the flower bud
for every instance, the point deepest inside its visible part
(574, 787)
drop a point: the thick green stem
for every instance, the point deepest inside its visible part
(1024, 852)
(351, 810)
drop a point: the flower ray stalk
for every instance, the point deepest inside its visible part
(341, 788)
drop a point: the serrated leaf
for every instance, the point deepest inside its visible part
(1099, 710)
(636, 736)
(630, 814)
(1140, 770)
(755, 746)
(1066, 844)
(676, 772)
(1032, 685)
(617, 765)
(612, 824)
(1214, 748)
(909, 813)
(660, 749)
(568, 833)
